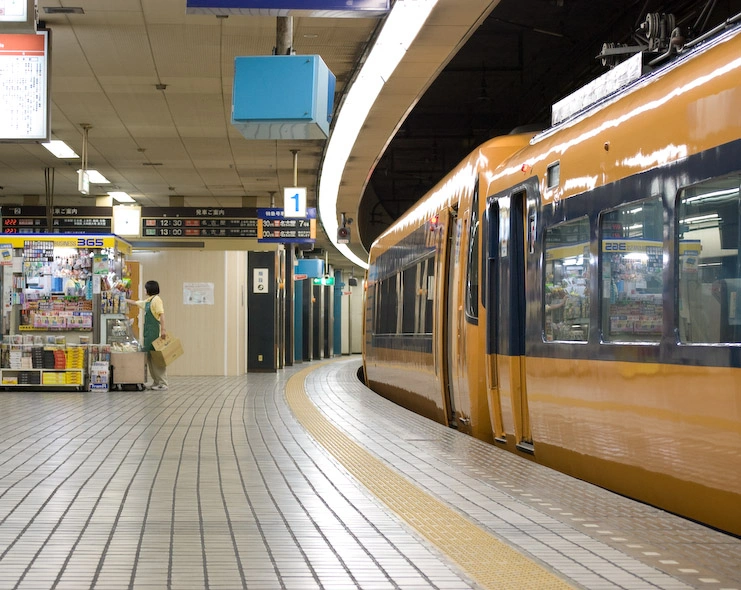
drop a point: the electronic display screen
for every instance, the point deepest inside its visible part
(24, 93)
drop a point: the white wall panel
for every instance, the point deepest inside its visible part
(212, 335)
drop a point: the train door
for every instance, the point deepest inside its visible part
(450, 307)
(506, 319)
(491, 274)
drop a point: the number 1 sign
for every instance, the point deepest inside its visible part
(294, 202)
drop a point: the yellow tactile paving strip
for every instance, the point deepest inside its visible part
(488, 561)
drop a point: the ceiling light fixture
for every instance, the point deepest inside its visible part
(121, 197)
(96, 177)
(60, 149)
(399, 31)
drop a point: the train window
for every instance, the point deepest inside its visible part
(472, 279)
(566, 291)
(409, 290)
(428, 266)
(387, 301)
(472, 272)
(632, 258)
(553, 175)
(709, 270)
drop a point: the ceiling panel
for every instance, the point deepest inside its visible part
(108, 61)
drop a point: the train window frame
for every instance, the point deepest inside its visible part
(553, 174)
(409, 299)
(473, 276)
(708, 276)
(565, 307)
(385, 315)
(632, 312)
(427, 295)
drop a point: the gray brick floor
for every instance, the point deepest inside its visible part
(215, 484)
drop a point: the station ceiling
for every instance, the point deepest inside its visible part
(525, 56)
(153, 85)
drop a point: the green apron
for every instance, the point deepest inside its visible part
(151, 327)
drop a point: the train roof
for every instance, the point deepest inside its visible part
(458, 180)
(633, 73)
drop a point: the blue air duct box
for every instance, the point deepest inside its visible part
(311, 267)
(282, 97)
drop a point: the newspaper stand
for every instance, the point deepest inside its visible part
(99, 376)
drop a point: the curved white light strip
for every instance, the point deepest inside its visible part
(401, 27)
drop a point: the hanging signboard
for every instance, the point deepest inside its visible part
(199, 222)
(313, 8)
(274, 227)
(31, 219)
(17, 16)
(24, 93)
(294, 201)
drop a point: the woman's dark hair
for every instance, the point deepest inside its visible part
(152, 287)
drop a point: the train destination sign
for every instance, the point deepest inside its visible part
(274, 227)
(199, 222)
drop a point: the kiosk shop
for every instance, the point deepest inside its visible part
(55, 290)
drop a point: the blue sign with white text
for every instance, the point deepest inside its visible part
(317, 8)
(276, 213)
(274, 227)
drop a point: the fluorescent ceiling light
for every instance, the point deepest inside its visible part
(60, 149)
(399, 31)
(699, 218)
(721, 193)
(121, 196)
(96, 177)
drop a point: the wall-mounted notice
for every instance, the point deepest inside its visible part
(24, 92)
(260, 278)
(198, 293)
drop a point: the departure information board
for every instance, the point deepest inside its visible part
(267, 225)
(24, 93)
(274, 227)
(197, 222)
(66, 220)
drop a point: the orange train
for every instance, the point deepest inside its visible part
(575, 296)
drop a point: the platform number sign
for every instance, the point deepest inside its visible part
(294, 202)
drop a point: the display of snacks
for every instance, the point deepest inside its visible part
(124, 347)
(113, 302)
(120, 336)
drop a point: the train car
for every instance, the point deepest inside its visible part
(575, 296)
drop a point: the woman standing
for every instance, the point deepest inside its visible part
(154, 327)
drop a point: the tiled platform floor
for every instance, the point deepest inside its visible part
(217, 484)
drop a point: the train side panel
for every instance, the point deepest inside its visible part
(650, 431)
(635, 382)
(404, 367)
(446, 380)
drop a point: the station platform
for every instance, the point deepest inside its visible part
(306, 479)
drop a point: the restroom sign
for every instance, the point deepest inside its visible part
(294, 201)
(260, 280)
